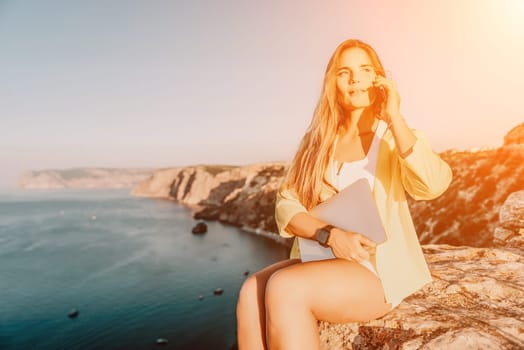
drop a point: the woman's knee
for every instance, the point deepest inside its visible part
(253, 291)
(280, 291)
(248, 295)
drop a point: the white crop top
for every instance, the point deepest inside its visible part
(362, 168)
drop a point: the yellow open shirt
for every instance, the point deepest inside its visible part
(399, 261)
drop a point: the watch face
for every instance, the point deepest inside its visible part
(323, 236)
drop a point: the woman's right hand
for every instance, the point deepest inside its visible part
(350, 245)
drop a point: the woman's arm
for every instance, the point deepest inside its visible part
(404, 137)
(424, 174)
(287, 206)
(293, 219)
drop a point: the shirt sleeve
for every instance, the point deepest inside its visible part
(286, 206)
(424, 174)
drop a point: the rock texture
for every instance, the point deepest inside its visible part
(158, 185)
(476, 301)
(83, 178)
(467, 213)
(510, 232)
(515, 136)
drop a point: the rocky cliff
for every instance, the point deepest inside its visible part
(239, 196)
(468, 210)
(83, 178)
(466, 214)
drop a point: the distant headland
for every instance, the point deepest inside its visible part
(83, 178)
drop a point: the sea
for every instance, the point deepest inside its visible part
(101, 269)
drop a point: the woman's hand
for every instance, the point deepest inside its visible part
(390, 107)
(350, 245)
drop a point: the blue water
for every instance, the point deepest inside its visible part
(129, 265)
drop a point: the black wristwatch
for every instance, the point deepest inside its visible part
(322, 235)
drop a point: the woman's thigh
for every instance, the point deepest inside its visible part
(334, 290)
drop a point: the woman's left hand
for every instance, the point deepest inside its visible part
(390, 106)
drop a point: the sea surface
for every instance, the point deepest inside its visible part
(129, 265)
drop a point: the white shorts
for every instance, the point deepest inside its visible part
(367, 264)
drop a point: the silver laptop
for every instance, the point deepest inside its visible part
(351, 209)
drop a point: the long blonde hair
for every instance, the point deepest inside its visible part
(305, 174)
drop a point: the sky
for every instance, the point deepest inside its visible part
(114, 83)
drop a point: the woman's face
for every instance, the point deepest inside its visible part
(355, 76)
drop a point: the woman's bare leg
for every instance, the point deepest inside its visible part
(251, 315)
(334, 290)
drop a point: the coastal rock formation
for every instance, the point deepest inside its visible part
(83, 178)
(476, 301)
(515, 136)
(512, 212)
(158, 185)
(239, 196)
(199, 228)
(510, 232)
(466, 214)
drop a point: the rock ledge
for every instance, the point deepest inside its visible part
(476, 301)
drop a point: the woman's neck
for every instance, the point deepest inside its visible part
(358, 122)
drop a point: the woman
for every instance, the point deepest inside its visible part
(357, 131)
